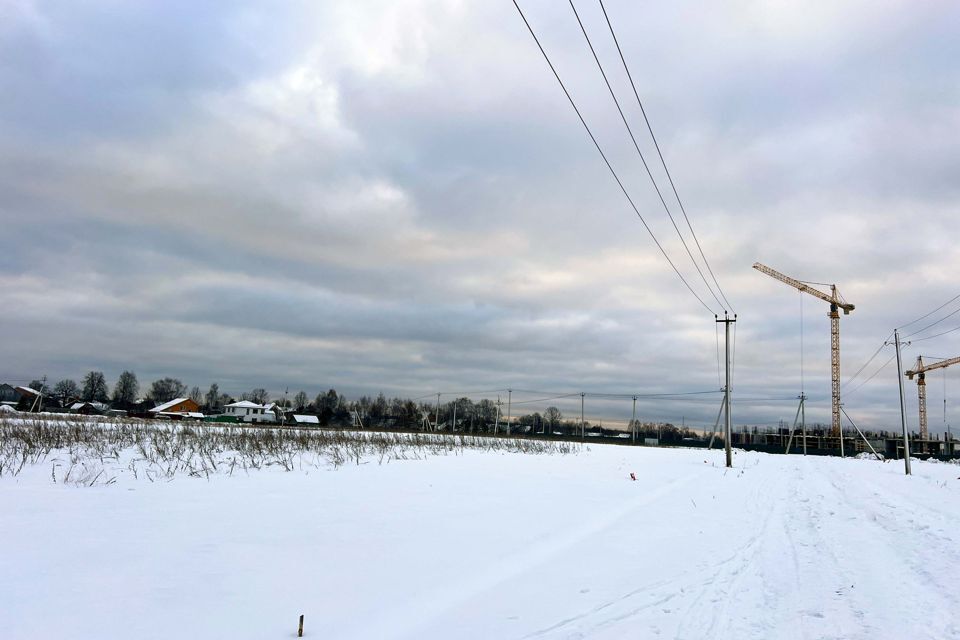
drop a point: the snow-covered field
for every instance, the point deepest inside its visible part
(482, 544)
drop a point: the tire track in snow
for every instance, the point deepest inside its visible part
(857, 553)
(660, 599)
(704, 601)
(888, 525)
(397, 623)
(708, 615)
(826, 601)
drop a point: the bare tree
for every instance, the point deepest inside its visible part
(95, 387)
(125, 393)
(66, 390)
(213, 400)
(328, 401)
(552, 417)
(259, 395)
(167, 389)
(300, 401)
(486, 411)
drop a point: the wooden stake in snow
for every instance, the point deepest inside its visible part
(300, 628)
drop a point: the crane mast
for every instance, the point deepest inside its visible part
(836, 303)
(920, 370)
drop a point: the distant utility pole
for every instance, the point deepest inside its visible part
(903, 406)
(436, 418)
(37, 405)
(633, 422)
(509, 409)
(726, 389)
(582, 428)
(454, 427)
(803, 421)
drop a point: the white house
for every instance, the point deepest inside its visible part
(247, 411)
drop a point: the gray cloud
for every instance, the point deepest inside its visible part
(397, 197)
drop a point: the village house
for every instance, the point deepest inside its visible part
(29, 399)
(8, 395)
(177, 408)
(87, 408)
(246, 411)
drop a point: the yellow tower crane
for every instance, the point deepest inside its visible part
(835, 303)
(919, 370)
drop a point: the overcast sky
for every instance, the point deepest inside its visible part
(396, 197)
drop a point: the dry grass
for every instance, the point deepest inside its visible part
(88, 451)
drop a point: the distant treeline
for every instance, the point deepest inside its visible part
(460, 414)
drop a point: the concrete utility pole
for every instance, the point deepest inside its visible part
(726, 389)
(37, 405)
(862, 434)
(801, 419)
(582, 428)
(633, 422)
(509, 408)
(454, 427)
(803, 422)
(903, 406)
(716, 423)
(436, 418)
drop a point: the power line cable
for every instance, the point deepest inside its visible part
(471, 393)
(931, 313)
(636, 146)
(536, 400)
(611, 396)
(937, 335)
(606, 161)
(597, 394)
(932, 324)
(716, 333)
(867, 363)
(875, 373)
(650, 395)
(660, 154)
(733, 357)
(789, 399)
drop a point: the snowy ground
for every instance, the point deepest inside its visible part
(491, 545)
